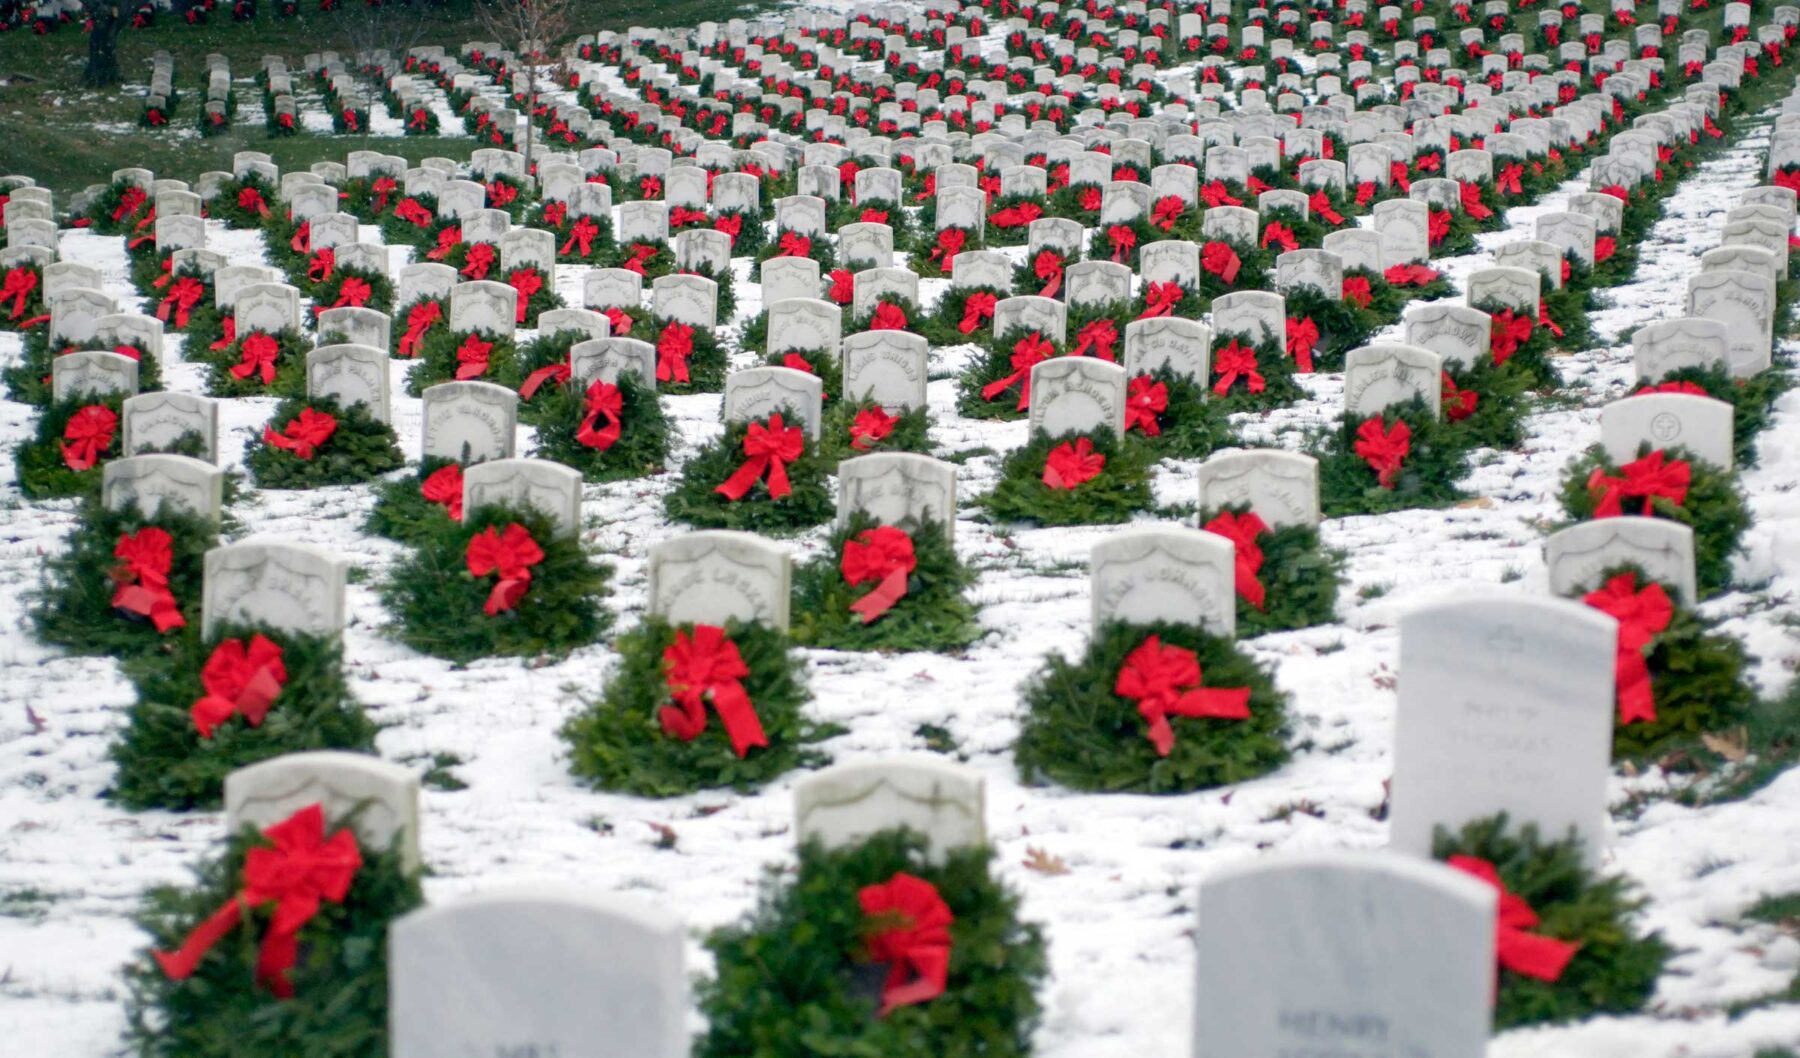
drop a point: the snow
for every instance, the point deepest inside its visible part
(1118, 922)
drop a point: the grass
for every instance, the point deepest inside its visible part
(66, 136)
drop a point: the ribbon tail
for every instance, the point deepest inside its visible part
(1160, 734)
(1636, 702)
(1249, 586)
(1050, 289)
(181, 963)
(1532, 955)
(506, 594)
(739, 717)
(890, 591)
(931, 965)
(1214, 703)
(738, 485)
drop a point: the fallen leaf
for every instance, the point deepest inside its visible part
(1485, 503)
(1733, 745)
(1038, 860)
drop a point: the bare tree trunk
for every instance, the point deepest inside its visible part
(103, 46)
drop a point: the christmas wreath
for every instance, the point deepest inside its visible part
(1073, 479)
(1404, 457)
(455, 356)
(256, 364)
(765, 476)
(607, 431)
(316, 442)
(853, 428)
(1251, 374)
(1666, 483)
(74, 438)
(127, 584)
(884, 588)
(1286, 577)
(1176, 415)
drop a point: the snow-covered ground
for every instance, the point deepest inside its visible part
(72, 866)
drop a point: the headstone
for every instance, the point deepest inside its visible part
(469, 422)
(380, 800)
(1281, 488)
(1377, 377)
(755, 393)
(1666, 346)
(484, 305)
(1458, 333)
(1077, 395)
(541, 484)
(350, 374)
(1744, 302)
(92, 374)
(888, 367)
(356, 326)
(719, 575)
(152, 482)
(152, 421)
(805, 325)
(1701, 425)
(289, 587)
(1580, 556)
(898, 488)
(1166, 573)
(606, 359)
(1183, 346)
(844, 805)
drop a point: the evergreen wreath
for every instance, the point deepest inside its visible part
(48, 470)
(933, 615)
(943, 325)
(694, 498)
(1437, 459)
(929, 259)
(1715, 508)
(440, 358)
(980, 394)
(1119, 242)
(554, 217)
(359, 448)
(441, 607)
(898, 220)
(1567, 307)
(707, 360)
(1272, 364)
(910, 316)
(618, 743)
(544, 369)
(1389, 298)
(1532, 354)
(1009, 225)
(1079, 731)
(331, 293)
(818, 247)
(402, 324)
(1458, 233)
(118, 208)
(340, 1009)
(1190, 423)
(1026, 279)
(404, 513)
(1751, 399)
(1614, 971)
(541, 300)
(21, 295)
(650, 258)
(1299, 575)
(1339, 324)
(74, 607)
(642, 447)
(1254, 267)
(1119, 490)
(851, 428)
(747, 231)
(163, 762)
(28, 380)
(397, 230)
(1495, 416)
(288, 378)
(792, 976)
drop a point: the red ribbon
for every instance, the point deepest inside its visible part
(130, 201)
(1218, 258)
(1604, 247)
(793, 244)
(1016, 216)
(303, 870)
(1437, 226)
(142, 577)
(420, 120)
(559, 372)
(871, 426)
(619, 323)
(1509, 333)
(419, 319)
(641, 253)
(448, 240)
(1302, 336)
(87, 434)
(20, 282)
(1160, 300)
(445, 488)
(1522, 952)
(581, 237)
(1122, 239)
(1509, 178)
(257, 357)
(1280, 234)
(1242, 530)
(1470, 195)
(1383, 450)
(731, 224)
(1099, 336)
(978, 308)
(240, 678)
(355, 293)
(1028, 352)
(1690, 388)
(304, 433)
(1165, 681)
(913, 939)
(480, 259)
(680, 217)
(949, 244)
(885, 556)
(319, 268)
(510, 554)
(472, 357)
(500, 194)
(1216, 194)
(1642, 615)
(1365, 192)
(1048, 266)
(603, 401)
(1356, 291)
(650, 187)
(843, 286)
(888, 318)
(227, 334)
(1235, 361)
(767, 449)
(350, 121)
(873, 216)
(673, 347)
(1070, 464)
(250, 200)
(382, 188)
(706, 666)
(1459, 404)
(1146, 400)
(1652, 477)
(1320, 204)
(1410, 275)
(527, 281)
(180, 300)
(1543, 318)
(1167, 211)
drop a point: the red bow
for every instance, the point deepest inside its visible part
(350, 121)
(382, 188)
(355, 293)
(1459, 404)
(885, 555)
(873, 216)
(20, 282)
(603, 400)
(581, 237)
(1543, 317)
(1242, 530)
(1160, 300)
(1016, 216)
(319, 268)
(767, 449)
(303, 870)
(977, 308)
(87, 434)
(1221, 260)
(500, 193)
(1365, 192)
(650, 187)
(1320, 204)
(619, 323)
(871, 425)
(1509, 179)
(1028, 352)
(1099, 336)
(1437, 226)
(1215, 194)
(1384, 451)
(843, 286)
(1410, 275)
(639, 261)
(142, 577)
(1509, 333)
(703, 666)
(1281, 235)
(673, 347)
(420, 120)
(1302, 336)
(472, 357)
(1648, 479)
(1673, 387)
(527, 281)
(304, 433)
(448, 240)
(445, 488)
(1356, 291)
(731, 224)
(1236, 361)
(1147, 400)
(257, 357)
(1167, 211)
(419, 320)
(1642, 615)
(793, 244)
(181, 299)
(1090, 199)
(511, 554)
(130, 201)
(1165, 681)
(912, 937)
(1604, 247)
(1122, 239)
(1048, 266)
(1068, 465)
(888, 318)
(1521, 952)
(480, 259)
(949, 244)
(681, 216)
(1397, 172)
(240, 678)
(250, 200)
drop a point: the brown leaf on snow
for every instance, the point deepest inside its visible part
(1038, 860)
(1485, 503)
(1733, 745)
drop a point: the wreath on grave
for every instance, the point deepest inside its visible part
(1077, 202)
(853, 428)
(287, 245)
(75, 437)
(502, 581)
(1393, 289)
(1320, 329)
(1751, 399)
(1486, 404)
(804, 972)
(963, 316)
(883, 588)
(898, 220)
(1517, 338)
(353, 288)
(1253, 374)
(126, 583)
(1230, 265)
(765, 476)
(118, 208)
(891, 312)
(1167, 299)
(934, 256)
(794, 244)
(1286, 577)
(1098, 330)
(651, 733)
(1615, 260)
(1449, 234)
(22, 297)
(746, 230)
(1172, 217)
(29, 379)
(1402, 458)
(1158, 708)
(473, 356)
(228, 1004)
(414, 321)
(1176, 415)
(369, 198)
(1666, 483)
(584, 239)
(510, 194)
(472, 260)
(1566, 949)
(607, 431)
(1041, 273)
(1118, 243)
(827, 368)
(257, 364)
(414, 222)
(311, 443)
(688, 359)
(243, 202)
(1009, 219)
(649, 258)
(536, 293)
(1284, 229)
(241, 696)
(545, 364)
(1073, 479)
(1479, 206)
(998, 384)
(1563, 311)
